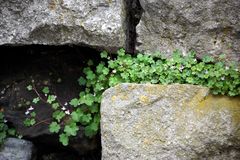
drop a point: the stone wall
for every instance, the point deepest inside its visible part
(138, 121)
(95, 23)
(208, 27)
(169, 122)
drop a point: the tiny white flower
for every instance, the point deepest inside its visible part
(114, 71)
(227, 68)
(223, 78)
(67, 112)
(27, 112)
(181, 68)
(206, 72)
(195, 60)
(65, 104)
(108, 58)
(63, 108)
(102, 88)
(236, 70)
(45, 95)
(31, 108)
(5, 121)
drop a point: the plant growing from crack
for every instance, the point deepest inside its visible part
(219, 77)
(65, 119)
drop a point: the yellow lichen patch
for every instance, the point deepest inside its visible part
(201, 94)
(52, 5)
(124, 97)
(122, 92)
(132, 87)
(147, 142)
(114, 98)
(218, 103)
(198, 97)
(154, 89)
(118, 89)
(144, 99)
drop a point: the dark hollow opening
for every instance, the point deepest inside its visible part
(42, 63)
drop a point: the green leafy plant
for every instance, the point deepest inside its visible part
(5, 131)
(219, 77)
(66, 118)
(84, 109)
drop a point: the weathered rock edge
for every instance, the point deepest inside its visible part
(207, 27)
(169, 122)
(17, 149)
(95, 23)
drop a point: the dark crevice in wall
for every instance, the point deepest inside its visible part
(133, 15)
(18, 58)
(45, 64)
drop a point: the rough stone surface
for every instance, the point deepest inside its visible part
(169, 122)
(96, 23)
(17, 149)
(207, 27)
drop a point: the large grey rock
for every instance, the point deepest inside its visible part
(17, 149)
(169, 122)
(207, 27)
(96, 23)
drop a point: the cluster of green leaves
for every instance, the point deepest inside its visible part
(30, 121)
(66, 118)
(219, 77)
(31, 114)
(5, 131)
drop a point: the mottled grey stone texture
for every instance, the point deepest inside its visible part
(169, 122)
(95, 23)
(207, 27)
(17, 149)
